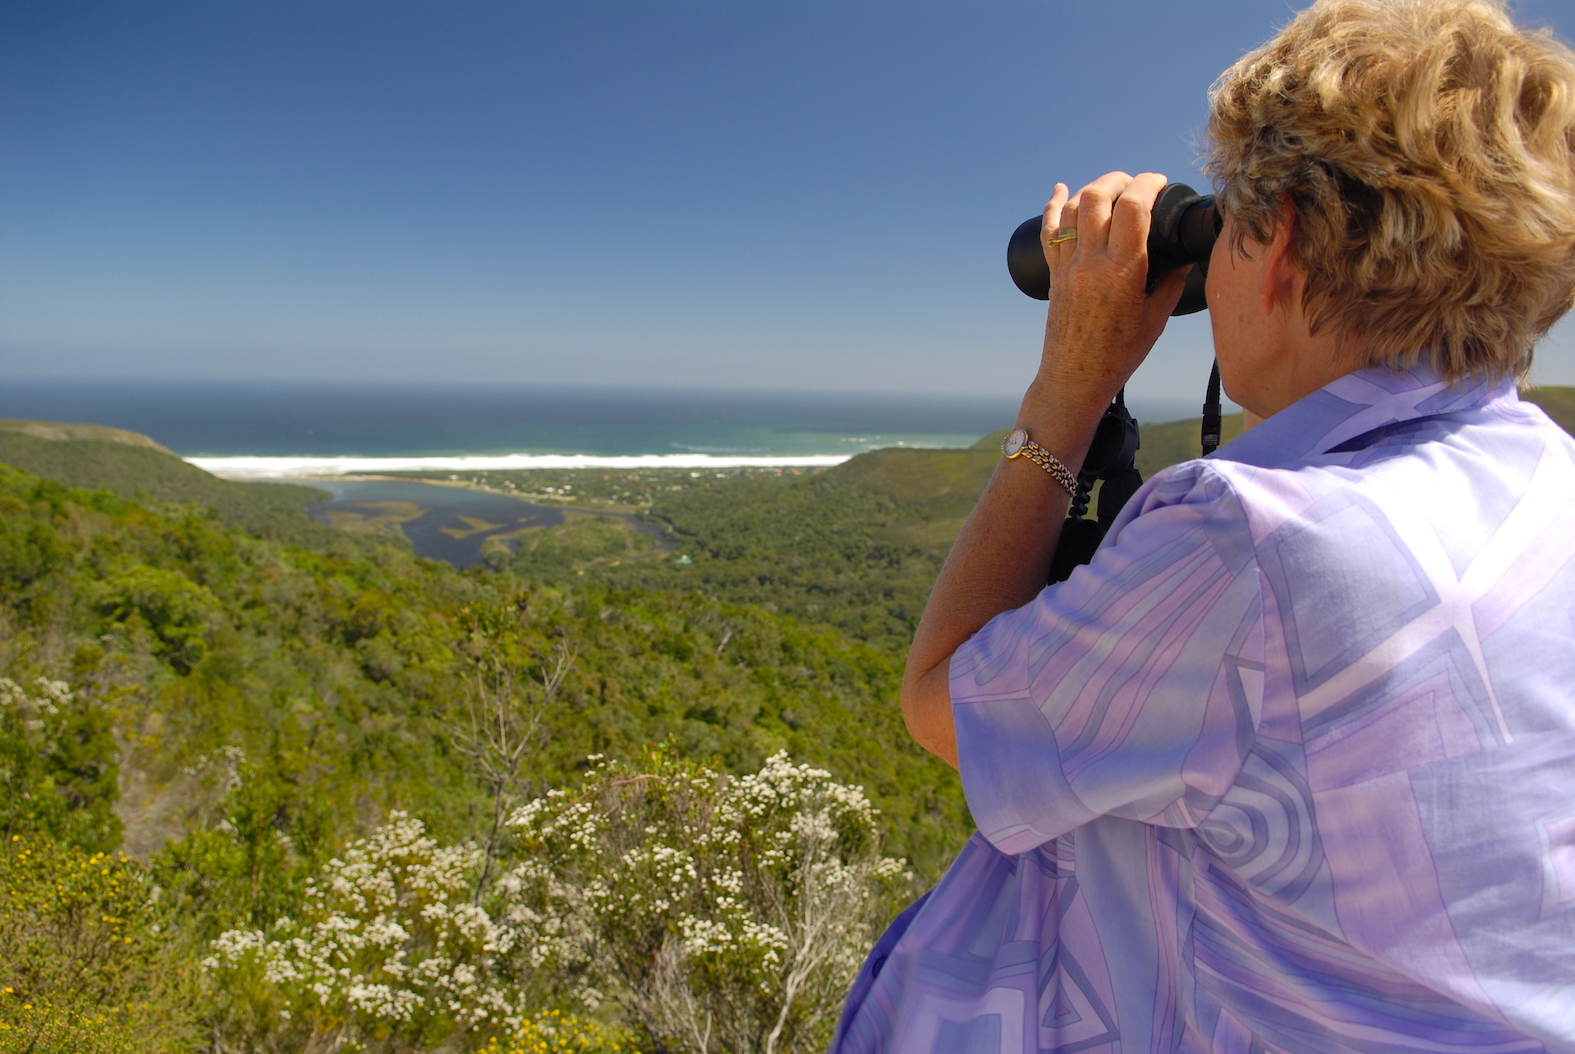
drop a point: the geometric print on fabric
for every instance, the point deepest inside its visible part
(1233, 1037)
(1263, 828)
(1558, 847)
(993, 980)
(1532, 857)
(1430, 705)
(1241, 966)
(1342, 556)
(1074, 1017)
(981, 1035)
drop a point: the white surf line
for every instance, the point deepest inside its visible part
(286, 467)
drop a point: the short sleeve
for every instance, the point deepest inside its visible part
(1132, 689)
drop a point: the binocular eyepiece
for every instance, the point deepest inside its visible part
(1186, 224)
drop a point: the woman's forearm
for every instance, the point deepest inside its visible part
(999, 561)
(1100, 325)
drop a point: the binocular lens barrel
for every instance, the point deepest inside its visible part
(1185, 226)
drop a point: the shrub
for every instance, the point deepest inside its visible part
(251, 868)
(554, 1032)
(389, 952)
(175, 609)
(57, 765)
(41, 1027)
(85, 960)
(719, 913)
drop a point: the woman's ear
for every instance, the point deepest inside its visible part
(1282, 279)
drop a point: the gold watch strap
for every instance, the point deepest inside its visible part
(1050, 463)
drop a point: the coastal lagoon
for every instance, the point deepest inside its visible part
(449, 523)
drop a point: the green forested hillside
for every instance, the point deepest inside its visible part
(335, 672)
(236, 710)
(129, 464)
(855, 547)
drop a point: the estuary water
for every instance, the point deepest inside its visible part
(442, 522)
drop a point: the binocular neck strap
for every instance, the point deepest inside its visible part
(1211, 412)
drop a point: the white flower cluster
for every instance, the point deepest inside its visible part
(390, 943)
(50, 698)
(723, 913)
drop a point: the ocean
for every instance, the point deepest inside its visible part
(261, 429)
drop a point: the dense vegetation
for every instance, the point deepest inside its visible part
(234, 710)
(854, 548)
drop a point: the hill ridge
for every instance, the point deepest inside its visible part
(58, 431)
(132, 465)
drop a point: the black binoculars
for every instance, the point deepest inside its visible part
(1186, 225)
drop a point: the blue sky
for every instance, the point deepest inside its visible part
(668, 193)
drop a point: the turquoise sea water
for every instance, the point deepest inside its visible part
(381, 420)
(373, 419)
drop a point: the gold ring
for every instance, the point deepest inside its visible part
(1065, 234)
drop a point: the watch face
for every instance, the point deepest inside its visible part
(1014, 443)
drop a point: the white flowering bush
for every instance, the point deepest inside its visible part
(389, 950)
(722, 914)
(708, 912)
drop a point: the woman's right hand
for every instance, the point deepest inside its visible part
(1101, 323)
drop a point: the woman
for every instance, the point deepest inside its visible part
(1290, 766)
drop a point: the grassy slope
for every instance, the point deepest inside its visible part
(932, 490)
(94, 457)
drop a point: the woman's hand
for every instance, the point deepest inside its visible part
(1101, 324)
(1100, 327)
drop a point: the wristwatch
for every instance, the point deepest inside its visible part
(1017, 444)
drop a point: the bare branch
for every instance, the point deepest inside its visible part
(504, 720)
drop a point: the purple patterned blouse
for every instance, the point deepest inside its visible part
(1289, 767)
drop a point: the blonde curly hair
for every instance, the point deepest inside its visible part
(1426, 152)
